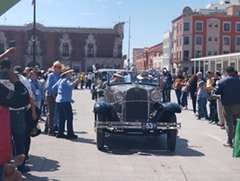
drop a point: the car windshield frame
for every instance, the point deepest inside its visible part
(155, 80)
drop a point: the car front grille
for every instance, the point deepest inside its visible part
(136, 105)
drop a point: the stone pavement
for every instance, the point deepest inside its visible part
(200, 154)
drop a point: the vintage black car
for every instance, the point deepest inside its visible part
(132, 107)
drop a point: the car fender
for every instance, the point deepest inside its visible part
(104, 108)
(166, 110)
(172, 107)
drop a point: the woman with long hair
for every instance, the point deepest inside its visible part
(192, 87)
(184, 91)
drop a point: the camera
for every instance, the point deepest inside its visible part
(4, 74)
(12, 44)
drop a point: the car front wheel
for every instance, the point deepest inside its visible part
(172, 135)
(100, 138)
(100, 132)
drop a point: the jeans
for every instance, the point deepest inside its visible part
(1, 171)
(184, 101)
(65, 113)
(18, 128)
(178, 94)
(202, 107)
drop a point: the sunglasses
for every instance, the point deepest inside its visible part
(58, 67)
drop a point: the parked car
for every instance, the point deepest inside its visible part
(135, 107)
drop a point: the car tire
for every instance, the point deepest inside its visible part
(100, 133)
(100, 138)
(172, 135)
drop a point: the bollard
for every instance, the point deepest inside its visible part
(237, 140)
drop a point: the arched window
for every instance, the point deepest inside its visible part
(65, 50)
(90, 50)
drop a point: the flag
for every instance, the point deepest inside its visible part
(5, 5)
(33, 1)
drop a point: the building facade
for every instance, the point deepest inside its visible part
(79, 48)
(143, 58)
(164, 60)
(204, 33)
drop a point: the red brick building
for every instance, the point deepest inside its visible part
(143, 58)
(79, 48)
(204, 32)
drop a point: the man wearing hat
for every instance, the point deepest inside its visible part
(63, 89)
(53, 77)
(229, 88)
(117, 77)
(144, 77)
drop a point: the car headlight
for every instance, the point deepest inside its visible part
(118, 96)
(156, 96)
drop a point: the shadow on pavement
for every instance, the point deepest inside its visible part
(35, 178)
(84, 140)
(40, 164)
(147, 146)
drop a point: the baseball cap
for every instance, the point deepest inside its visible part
(18, 69)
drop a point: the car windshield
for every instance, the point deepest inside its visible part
(128, 77)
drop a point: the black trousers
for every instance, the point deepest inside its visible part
(30, 124)
(194, 100)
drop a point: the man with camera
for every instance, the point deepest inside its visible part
(16, 98)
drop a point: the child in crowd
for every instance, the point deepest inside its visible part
(202, 97)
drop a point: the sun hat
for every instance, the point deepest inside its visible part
(199, 73)
(143, 75)
(66, 70)
(55, 64)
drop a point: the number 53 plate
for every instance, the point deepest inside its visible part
(150, 126)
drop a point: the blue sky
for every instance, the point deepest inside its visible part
(149, 18)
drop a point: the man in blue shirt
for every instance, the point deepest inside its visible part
(51, 80)
(229, 89)
(63, 89)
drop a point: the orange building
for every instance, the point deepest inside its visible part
(204, 32)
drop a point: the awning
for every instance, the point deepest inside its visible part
(6, 5)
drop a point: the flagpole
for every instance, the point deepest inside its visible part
(34, 33)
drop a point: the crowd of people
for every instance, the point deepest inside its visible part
(28, 94)
(218, 90)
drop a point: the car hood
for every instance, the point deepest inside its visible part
(125, 87)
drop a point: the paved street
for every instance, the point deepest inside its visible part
(199, 156)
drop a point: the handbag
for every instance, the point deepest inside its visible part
(36, 131)
(184, 88)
